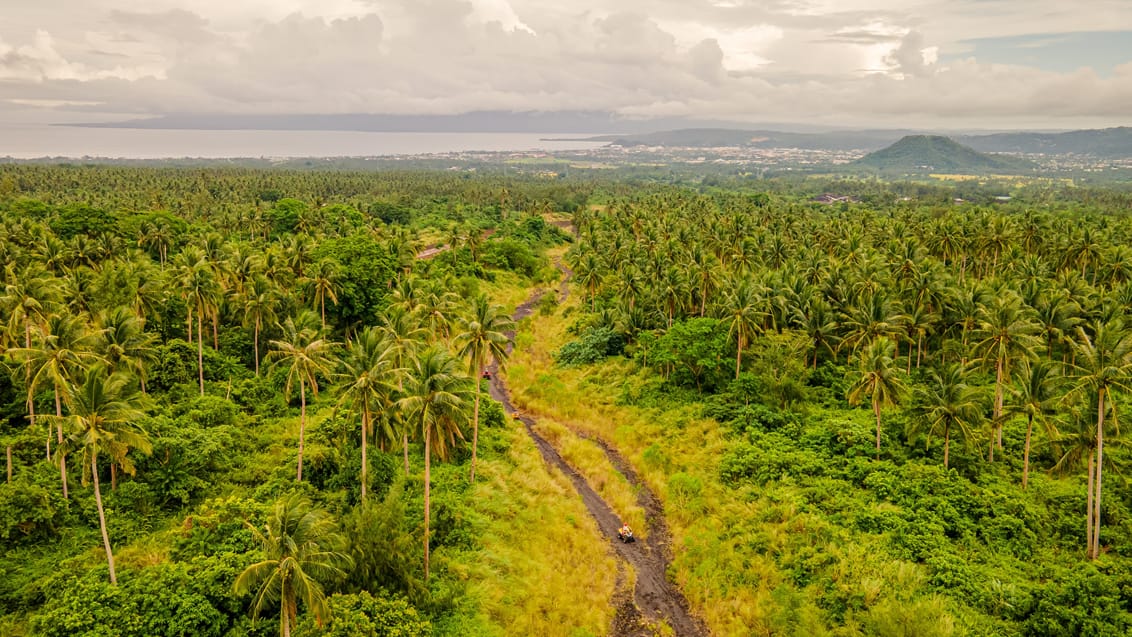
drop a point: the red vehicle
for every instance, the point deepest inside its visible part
(486, 375)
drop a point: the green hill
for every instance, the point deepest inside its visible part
(1112, 143)
(938, 154)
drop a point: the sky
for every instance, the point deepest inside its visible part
(960, 64)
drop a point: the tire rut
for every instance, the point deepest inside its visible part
(654, 598)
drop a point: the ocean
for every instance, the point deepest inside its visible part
(32, 141)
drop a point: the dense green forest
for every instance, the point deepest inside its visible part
(237, 402)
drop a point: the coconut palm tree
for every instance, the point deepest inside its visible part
(437, 310)
(1103, 362)
(407, 335)
(201, 291)
(322, 280)
(307, 355)
(124, 344)
(104, 412)
(946, 404)
(259, 302)
(879, 379)
(1034, 396)
(28, 297)
(873, 316)
(370, 381)
(743, 311)
(434, 400)
(588, 274)
(482, 339)
(64, 347)
(815, 318)
(302, 551)
(1008, 334)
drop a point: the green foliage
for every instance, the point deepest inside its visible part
(285, 215)
(363, 615)
(593, 345)
(188, 454)
(29, 512)
(176, 364)
(78, 219)
(1079, 602)
(920, 618)
(694, 353)
(513, 255)
(166, 599)
(365, 269)
(218, 526)
(391, 213)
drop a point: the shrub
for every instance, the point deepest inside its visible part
(363, 615)
(29, 512)
(593, 345)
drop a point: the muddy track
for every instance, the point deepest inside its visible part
(654, 598)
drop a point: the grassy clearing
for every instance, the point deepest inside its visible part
(543, 567)
(508, 289)
(588, 459)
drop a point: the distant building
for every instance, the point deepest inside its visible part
(832, 198)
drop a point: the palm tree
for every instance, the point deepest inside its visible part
(872, 317)
(434, 399)
(1034, 398)
(1009, 333)
(201, 291)
(879, 380)
(124, 344)
(104, 410)
(406, 334)
(816, 319)
(307, 355)
(371, 378)
(259, 303)
(948, 403)
(588, 273)
(1103, 362)
(919, 324)
(322, 280)
(27, 300)
(742, 309)
(65, 346)
(482, 339)
(436, 310)
(302, 550)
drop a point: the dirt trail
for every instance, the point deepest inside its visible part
(654, 598)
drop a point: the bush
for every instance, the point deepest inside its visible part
(176, 364)
(160, 600)
(363, 615)
(510, 254)
(29, 512)
(594, 344)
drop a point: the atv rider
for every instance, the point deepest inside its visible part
(625, 534)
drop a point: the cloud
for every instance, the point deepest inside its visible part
(851, 61)
(911, 57)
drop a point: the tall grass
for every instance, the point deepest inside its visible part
(544, 568)
(588, 459)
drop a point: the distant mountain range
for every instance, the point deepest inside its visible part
(938, 154)
(1109, 143)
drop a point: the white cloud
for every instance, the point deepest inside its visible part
(864, 62)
